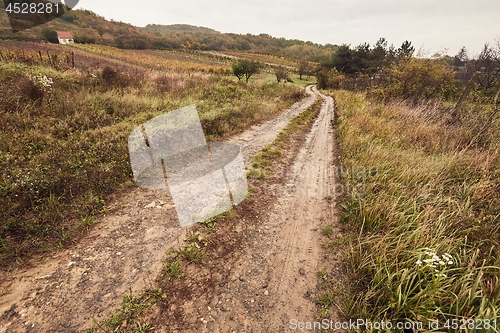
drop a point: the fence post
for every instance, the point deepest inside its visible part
(73, 59)
(50, 59)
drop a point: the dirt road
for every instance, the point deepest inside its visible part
(123, 251)
(253, 140)
(275, 284)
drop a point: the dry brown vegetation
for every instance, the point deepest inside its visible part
(63, 139)
(424, 227)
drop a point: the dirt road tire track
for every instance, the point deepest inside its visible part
(263, 264)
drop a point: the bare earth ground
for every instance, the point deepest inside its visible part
(253, 140)
(123, 252)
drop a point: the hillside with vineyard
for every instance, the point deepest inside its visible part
(66, 114)
(88, 27)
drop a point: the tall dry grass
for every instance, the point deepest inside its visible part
(63, 139)
(424, 232)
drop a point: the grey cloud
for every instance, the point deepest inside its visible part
(434, 24)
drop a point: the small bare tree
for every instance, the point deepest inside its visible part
(281, 74)
(485, 73)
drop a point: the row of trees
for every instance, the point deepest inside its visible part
(92, 28)
(388, 71)
(244, 68)
(366, 59)
(198, 38)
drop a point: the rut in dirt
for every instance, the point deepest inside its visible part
(271, 279)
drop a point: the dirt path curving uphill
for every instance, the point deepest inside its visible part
(253, 140)
(275, 282)
(123, 251)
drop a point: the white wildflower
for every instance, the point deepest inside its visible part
(43, 82)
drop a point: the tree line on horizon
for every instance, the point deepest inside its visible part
(396, 71)
(90, 28)
(386, 72)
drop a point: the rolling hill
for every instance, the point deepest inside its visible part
(90, 28)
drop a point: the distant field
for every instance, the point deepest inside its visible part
(93, 55)
(29, 52)
(266, 59)
(160, 60)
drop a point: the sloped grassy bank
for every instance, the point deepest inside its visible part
(421, 211)
(63, 140)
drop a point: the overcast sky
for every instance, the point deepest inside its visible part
(433, 25)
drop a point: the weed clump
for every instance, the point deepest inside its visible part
(166, 84)
(30, 90)
(109, 75)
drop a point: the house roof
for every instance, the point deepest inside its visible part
(64, 34)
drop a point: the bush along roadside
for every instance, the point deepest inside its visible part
(423, 240)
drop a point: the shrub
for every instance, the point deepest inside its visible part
(282, 74)
(132, 43)
(109, 74)
(85, 38)
(165, 83)
(418, 79)
(296, 94)
(69, 17)
(50, 35)
(329, 78)
(31, 90)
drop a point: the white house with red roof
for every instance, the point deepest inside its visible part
(65, 37)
